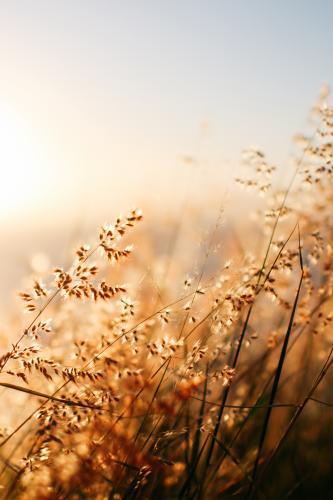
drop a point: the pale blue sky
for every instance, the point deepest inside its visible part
(114, 91)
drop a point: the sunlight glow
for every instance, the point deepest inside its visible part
(22, 176)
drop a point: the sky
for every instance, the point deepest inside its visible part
(100, 99)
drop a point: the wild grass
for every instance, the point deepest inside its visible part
(210, 384)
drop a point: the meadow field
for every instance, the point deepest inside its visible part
(162, 365)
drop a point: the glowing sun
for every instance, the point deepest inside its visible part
(21, 167)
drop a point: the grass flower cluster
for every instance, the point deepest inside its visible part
(215, 386)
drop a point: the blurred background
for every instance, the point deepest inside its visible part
(107, 105)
